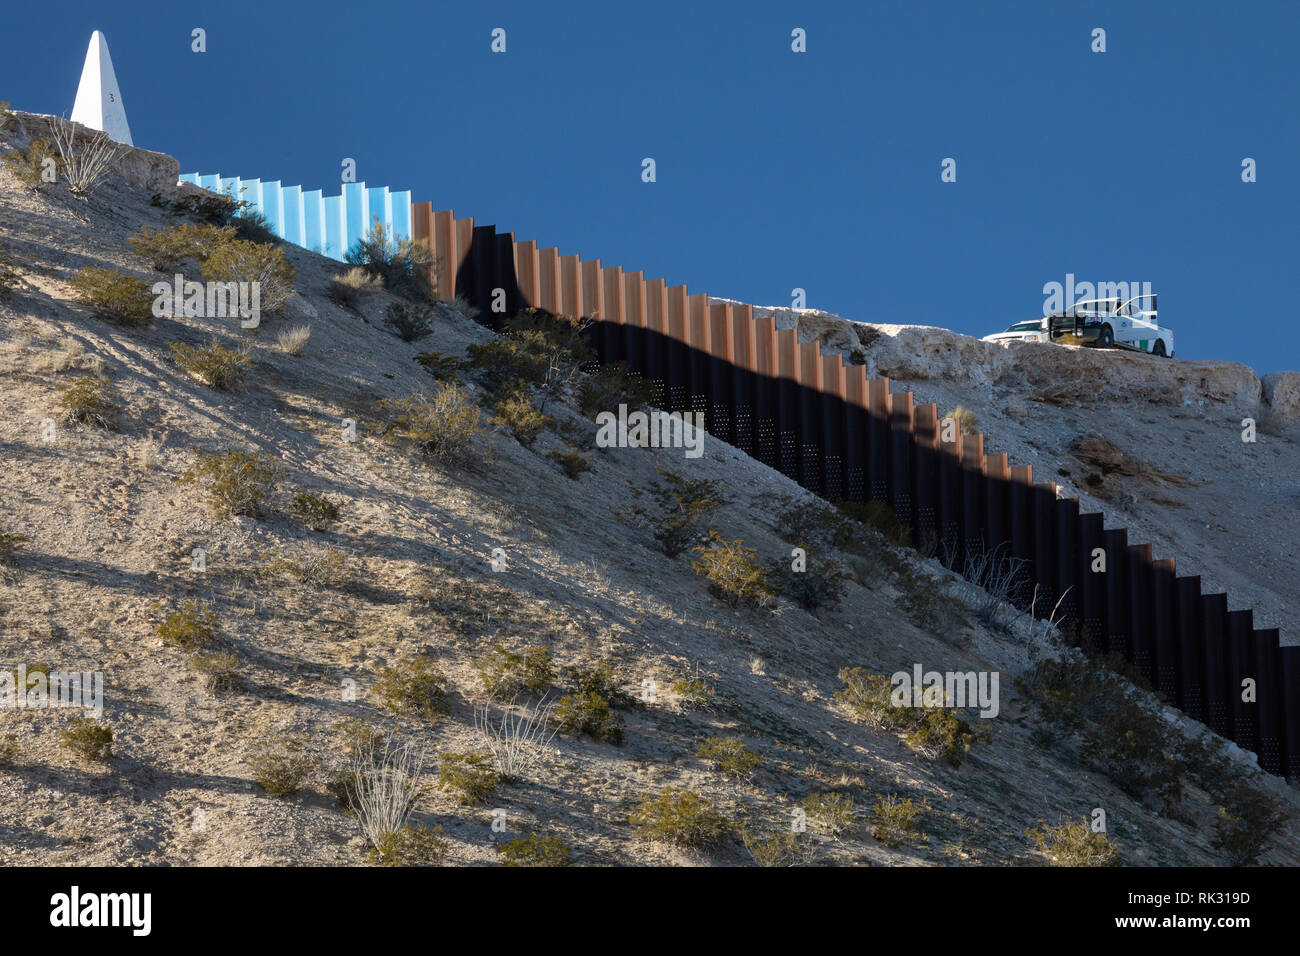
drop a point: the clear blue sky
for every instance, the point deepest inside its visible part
(776, 170)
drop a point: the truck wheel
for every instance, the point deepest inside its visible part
(1159, 349)
(1107, 338)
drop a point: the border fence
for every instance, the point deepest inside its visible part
(820, 421)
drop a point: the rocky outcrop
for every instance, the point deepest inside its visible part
(1054, 373)
(156, 172)
(1282, 393)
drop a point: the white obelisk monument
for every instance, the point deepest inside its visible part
(99, 101)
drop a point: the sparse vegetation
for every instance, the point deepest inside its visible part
(10, 542)
(235, 483)
(411, 321)
(1243, 827)
(168, 250)
(216, 365)
(733, 573)
(352, 287)
(612, 385)
(573, 463)
(405, 266)
(894, 821)
(964, 420)
(190, 627)
(680, 505)
(86, 156)
(517, 413)
(833, 811)
(114, 295)
(470, 776)
(240, 260)
(416, 686)
(692, 694)
(293, 340)
(820, 585)
(411, 845)
(772, 848)
(315, 511)
(682, 817)
(1074, 844)
(443, 368)
(87, 739)
(444, 426)
(589, 713)
(88, 400)
(505, 673)
(219, 672)
(535, 850)
(32, 166)
(933, 729)
(729, 755)
(281, 764)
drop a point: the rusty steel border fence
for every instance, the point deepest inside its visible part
(821, 422)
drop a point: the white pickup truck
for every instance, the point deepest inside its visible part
(1104, 323)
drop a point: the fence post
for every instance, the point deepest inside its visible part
(1141, 578)
(698, 350)
(1092, 583)
(1044, 510)
(1118, 640)
(571, 303)
(550, 282)
(878, 408)
(677, 367)
(1164, 608)
(787, 418)
(652, 296)
(855, 432)
(483, 253)
(1214, 616)
(1020, 522)
(1068, 579)
(526, 266)
(506, 275)
(972, 495)
(744, 381)
(1268, 670)
(609, 328)
(722, 368)
(812, 398)
(1190, 697)
(1289, 661)
(1243, 717)
(765, 392)
(901, 444)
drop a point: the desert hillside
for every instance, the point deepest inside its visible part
(434, 542)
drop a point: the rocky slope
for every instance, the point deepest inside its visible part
(442, 561)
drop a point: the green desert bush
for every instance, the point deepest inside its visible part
(535, 850)
(239, 260)
(253, 226)
(168, 250)
(876, 516)
(517, 413)
(505, 673)
(833, 811)
(443, 368)
(1243, 827)
(416, 685)
(410, 321)
(819, 585)
(29, 166)
(443, 426)
(235, 483)
(190, 627)
(603, 678)
(589, 713)
(282, 765)
(87, 739)
(412, 845)
(934, 731)
(219, 672)
(1074, 844)
(679, 507)
(214, 364)
(692, 693)
(1085, 705)
(732, 572)
(729, 755)
(771, 847)
(964, 420)
(572, 462)
(470, 776)
(114, 295)
(215, 209)
(10, 542)
(682, 817)
(894, 821)
(404, 266)
(353, 286)
(315, 511)
(88, 400)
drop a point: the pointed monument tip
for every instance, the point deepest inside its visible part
(99, 101)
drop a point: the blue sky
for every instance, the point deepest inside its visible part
(776, 170)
